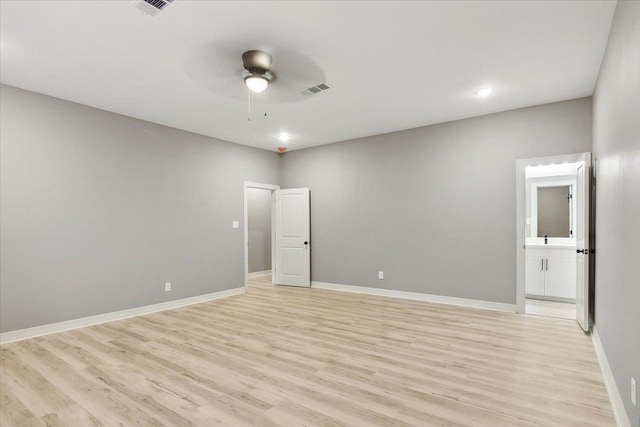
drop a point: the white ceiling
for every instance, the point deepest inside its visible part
(391, 65)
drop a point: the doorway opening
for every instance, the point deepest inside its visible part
(259, 229)
(277, 231)
(552, 213)
(550, 244)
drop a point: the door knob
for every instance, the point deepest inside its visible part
(582, 251)
(306, 243)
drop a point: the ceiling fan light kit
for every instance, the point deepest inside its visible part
(256, 82)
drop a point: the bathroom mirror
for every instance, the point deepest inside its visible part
(554, 211)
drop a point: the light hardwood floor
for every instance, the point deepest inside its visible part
(294, 356)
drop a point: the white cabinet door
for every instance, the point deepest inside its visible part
(534, 275)
(560, 275)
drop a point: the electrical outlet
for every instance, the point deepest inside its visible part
(167, 287)
(380, 275)
(235, 224)
(634, 396)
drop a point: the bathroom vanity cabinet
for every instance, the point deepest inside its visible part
(551, 272)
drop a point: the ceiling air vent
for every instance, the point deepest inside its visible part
(314, 89)
(153, 7)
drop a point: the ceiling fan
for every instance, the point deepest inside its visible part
(279, 73)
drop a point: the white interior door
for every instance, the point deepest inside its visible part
(293, 253)
(582, 240)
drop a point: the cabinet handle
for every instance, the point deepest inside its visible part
(547, 264)
(542, 266)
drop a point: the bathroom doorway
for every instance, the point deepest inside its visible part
(552, 207)
(542, 307)
(550, 244)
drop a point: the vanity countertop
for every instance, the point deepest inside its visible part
(550, 246)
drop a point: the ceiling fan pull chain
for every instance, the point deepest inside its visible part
(265, 105)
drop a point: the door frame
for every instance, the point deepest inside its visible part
(260, 186)
(521, 201)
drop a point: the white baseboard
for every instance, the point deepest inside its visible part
(52, 328)
(463, 302)
(609, 381)
(259, 273)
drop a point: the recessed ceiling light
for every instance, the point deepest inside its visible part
(484, 91)
(284, 137)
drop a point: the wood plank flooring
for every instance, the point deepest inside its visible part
(295, 356)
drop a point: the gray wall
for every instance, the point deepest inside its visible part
(100, 210)
(433, 207)
(616, 145)
(259, 212)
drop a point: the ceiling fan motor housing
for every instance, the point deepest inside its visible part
(256, 61)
